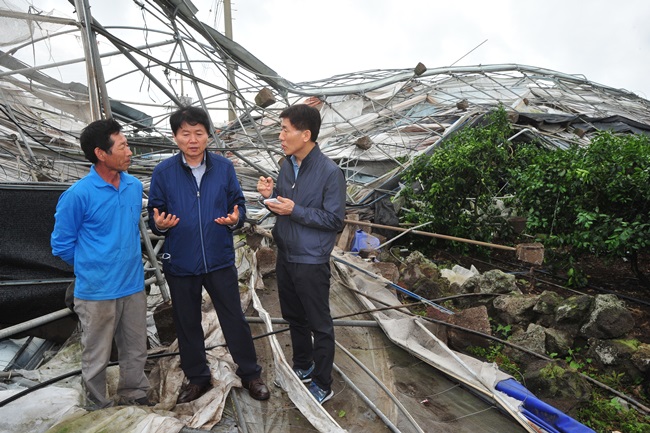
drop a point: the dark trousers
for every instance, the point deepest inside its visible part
(304, 300)
(223, 288)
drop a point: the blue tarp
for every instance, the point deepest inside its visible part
(540, 413)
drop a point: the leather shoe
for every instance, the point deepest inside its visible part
(192, 391)
(257, 389)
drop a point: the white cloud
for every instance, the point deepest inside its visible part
(306, 40)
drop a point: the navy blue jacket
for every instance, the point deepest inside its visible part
(197, 244)
(309, 233)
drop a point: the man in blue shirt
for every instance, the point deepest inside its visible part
(96, 230)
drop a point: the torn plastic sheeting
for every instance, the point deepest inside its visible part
(287, 379)
(405, 332)
(123, 419)
(166, 379)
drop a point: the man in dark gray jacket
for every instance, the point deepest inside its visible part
(310, 208)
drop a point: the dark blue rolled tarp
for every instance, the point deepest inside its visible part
(540, 413)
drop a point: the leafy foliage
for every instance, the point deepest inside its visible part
(608, 414)
(495, 353)
(593, 199)
(454, 187)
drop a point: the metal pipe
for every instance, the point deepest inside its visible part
(160, 280)
(230, 64)
(26, 71)
(388, 392)
(38, 321)
(240, 414)
(366, 400)
(83, 13)
(432, 235)
(123, 49)
(278, 321)
(35, 282)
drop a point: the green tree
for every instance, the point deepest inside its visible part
(593, 199)
(453, 189)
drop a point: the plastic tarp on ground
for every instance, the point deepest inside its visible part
(60, 406)
(413, 334)
(379, 382)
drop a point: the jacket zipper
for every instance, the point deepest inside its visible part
(198, 200)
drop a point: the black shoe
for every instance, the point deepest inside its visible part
(192, 391)
(257, 389)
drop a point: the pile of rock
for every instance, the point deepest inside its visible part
(590, 329)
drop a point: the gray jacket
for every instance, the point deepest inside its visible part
(309, 233)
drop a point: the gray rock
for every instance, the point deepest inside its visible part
(554, 381)
(558, 341)
(547, 302)
(545, 308)
(641, 357)
(574, 309)
(608, 318)
(494, 281)
(515, 309)
(533, 339)
(609, 352)
(617, 357)
(421, 276)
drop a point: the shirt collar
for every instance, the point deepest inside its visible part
(185, 161)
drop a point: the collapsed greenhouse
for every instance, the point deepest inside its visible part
(374, 123)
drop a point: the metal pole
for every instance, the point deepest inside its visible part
(118, 44)
(336, 322)
(83, 13)
(160, 280)
(230, 65)
(38, 321)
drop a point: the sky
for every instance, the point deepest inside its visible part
(605, 41)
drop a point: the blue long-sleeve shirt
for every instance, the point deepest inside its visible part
(96, 230)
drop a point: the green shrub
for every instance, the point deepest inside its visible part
(580, 200)
(589, 200)
(454, 187)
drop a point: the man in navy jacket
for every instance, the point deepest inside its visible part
(189, 195)
(310, 210)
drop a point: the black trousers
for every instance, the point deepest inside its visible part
(223, 287)
(304, 300)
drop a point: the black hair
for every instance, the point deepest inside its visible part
(98, 134)
(191, 116)
(303, 117)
